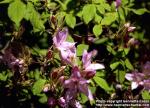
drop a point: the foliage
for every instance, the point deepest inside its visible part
(34, 68)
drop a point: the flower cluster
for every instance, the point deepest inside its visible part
(80, 75)
(140, 78)
(67, 49)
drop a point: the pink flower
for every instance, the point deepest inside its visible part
(67, 49)
(60, 37)
(142, 78)
(89, 69)
(76, 83)
(136, 79)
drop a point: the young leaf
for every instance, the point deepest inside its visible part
(102, 83)
(5, 1)
(80, 49)
(70, 20)
(111, 50)
(146, 95)
(38, 86)
(97, 18)
(120, 75)
(100, 9)
(16, 11)
(109, 18)
(43, 98)
(101, 41)
(36, 21)
(97, 29)
(88, 12)
(128, 64)
(114, 65)
(139, 11)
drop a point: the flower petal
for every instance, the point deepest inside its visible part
(60, 37)
(129, 77)
(134, 85)
(95, 66)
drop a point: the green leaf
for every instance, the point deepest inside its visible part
(16, 11)
(120, 75)
(60, 18)
(114, 65)
(97, 18)
(97, 29)
(3, 77)
(29, 10)
(38, 86)
(43, 98)
(101, 41)
(102, 83)
(100, 9)
(84, 98)
(109, 18)
(139, 11)
(98, 1)
(128, 64)
(70, 20)
(106, 6)
(146, 95)
(81, 48)
(126, 51)
(36, 21)
(69, 39)
(6, 1)
(111, 50)
(88, 12)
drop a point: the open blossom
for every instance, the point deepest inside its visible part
(142, 78)
(89, 68)
(76, 83)
(67, 49)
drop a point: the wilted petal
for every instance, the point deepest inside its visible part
(134, 85)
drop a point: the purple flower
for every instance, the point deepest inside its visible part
(68, 52)
(89, 69)
(67, 49)
(62, 102)
(76, 83)
(117, 3)
(136, 79)
(60, 37)
(142, 78)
